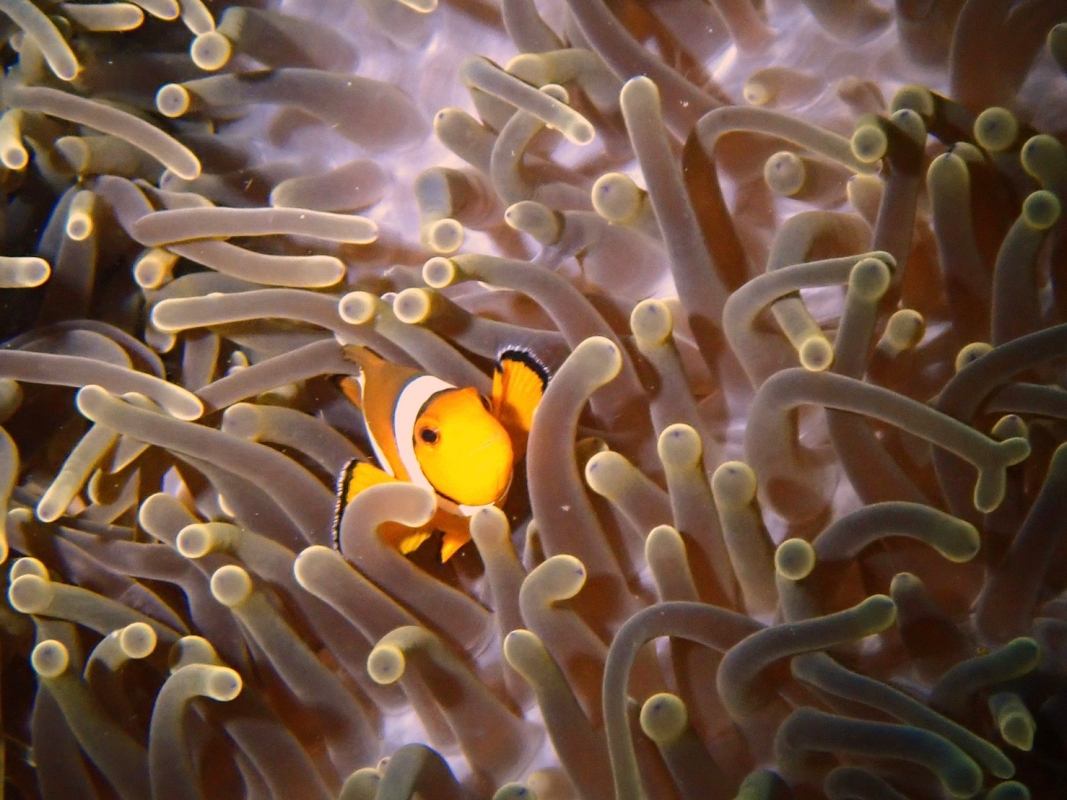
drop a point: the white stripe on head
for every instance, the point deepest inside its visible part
(413, 397)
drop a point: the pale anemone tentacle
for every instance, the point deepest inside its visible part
(200, 214)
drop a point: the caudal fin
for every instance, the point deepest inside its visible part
(358, 354)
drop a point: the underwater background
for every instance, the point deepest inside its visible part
(792, 521)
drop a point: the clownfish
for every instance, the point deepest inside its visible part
(451, 440)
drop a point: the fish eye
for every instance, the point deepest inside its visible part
(429, 435)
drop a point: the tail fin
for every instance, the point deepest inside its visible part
(358, 354)
(364, 359)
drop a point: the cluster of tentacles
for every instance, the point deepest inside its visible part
(792, 517)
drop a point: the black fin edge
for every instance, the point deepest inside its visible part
(527, 357)
(344, 480)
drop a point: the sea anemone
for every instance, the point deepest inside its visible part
(792, 517)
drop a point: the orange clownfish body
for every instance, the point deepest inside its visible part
(448, 439)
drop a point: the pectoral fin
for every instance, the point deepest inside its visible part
(519, 383)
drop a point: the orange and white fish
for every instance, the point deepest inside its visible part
(451, 440)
